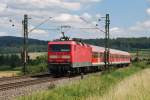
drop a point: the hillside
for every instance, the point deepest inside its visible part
(17, 41)
(127, 44)
(9, 44)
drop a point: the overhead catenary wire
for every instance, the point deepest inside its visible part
(39, 25)
(57, 29)
(95, 27)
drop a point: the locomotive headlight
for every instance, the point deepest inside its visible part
(53, 56)
(66, 56)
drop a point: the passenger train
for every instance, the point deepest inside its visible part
(76, 57)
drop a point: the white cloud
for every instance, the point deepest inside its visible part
(116, 30)
(73, 6)
(40, 34)
(86, 15)
(119, 32)
(2, 7)
(43, 4)
(141, 26)
(63, 12)
(98, 15)
(65, 17)
(138, 30)
(87, 1)
(148, 11)
(3, 34)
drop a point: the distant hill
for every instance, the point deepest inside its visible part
(17, 41)
(10, 44)
(127, 44)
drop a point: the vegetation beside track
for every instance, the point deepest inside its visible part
(9, 73)
(136, 87)
(38, 65)
(13, 62)
(94, 86)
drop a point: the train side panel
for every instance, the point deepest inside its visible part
(81, 55)
(118, 58)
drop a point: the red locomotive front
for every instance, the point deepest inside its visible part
(59, 53)
(64, 56)
(59, 56)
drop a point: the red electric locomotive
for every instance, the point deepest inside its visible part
(76, 57)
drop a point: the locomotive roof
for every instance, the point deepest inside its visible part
(94, 48)
(62, 42)
(68, 42)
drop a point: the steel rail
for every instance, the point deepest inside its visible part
(11, 78)
(7, 86)
(20, 77)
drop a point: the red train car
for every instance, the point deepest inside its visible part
(64, 56)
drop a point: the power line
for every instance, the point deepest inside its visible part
(95, 27)
(57, 29)
(39, 24)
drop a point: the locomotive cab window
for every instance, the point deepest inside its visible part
(60, 48)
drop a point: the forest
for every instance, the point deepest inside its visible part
(9, 44)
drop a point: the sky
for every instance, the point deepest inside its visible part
(128, 18)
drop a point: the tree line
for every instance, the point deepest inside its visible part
(127, 44)
(14, 44)
(10, 60)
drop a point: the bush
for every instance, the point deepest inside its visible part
(12, 60)
(38, 65)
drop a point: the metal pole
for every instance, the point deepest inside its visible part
(25, 54)
(106, 54)
(137, 55)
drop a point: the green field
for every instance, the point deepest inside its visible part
(143, 53)
(95, 86)
(32, 55)
(12, 62)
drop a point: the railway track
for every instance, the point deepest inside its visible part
(23, 81)
(14, 85)
(14, 79)
(21, 77)
(10, 78)
(18, 82)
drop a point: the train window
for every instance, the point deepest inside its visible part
(60, 48)
(113, 56)
(95, 55)
(101, 55)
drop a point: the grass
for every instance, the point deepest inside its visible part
(33, 55)
(9, 73)
(37, 64)
(136, 87)
(143, 53)
(93, 86)
(9, 68)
